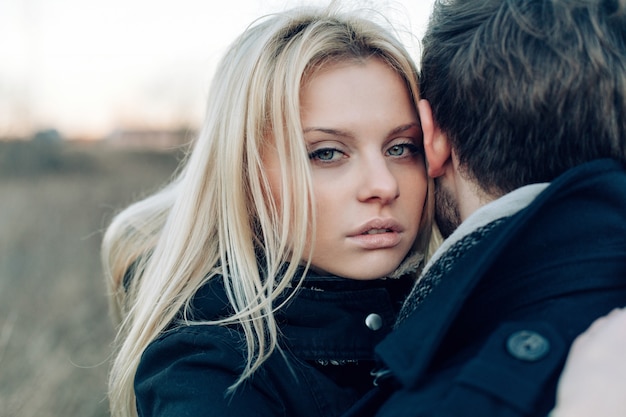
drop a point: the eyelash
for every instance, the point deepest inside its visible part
(410, 146)
(316, 154)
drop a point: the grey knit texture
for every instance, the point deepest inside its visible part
(441, 267)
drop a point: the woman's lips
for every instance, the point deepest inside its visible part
(377, 239)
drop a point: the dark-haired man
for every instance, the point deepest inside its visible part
(524, 116)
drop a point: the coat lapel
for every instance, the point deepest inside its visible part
(408, 350)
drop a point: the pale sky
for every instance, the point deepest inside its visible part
(86, 67)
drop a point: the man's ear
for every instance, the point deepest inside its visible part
(436, 145)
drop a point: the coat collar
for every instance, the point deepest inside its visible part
(325, 319)
(504, 206)
(409, 349)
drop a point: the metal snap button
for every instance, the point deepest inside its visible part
(527, 345)
(374, 321)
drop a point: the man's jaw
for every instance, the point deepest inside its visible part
(447, 214)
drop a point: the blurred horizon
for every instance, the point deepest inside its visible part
(79, 70)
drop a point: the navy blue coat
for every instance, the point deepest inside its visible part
(491, 338)
(328, 354)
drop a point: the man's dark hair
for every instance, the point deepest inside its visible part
(526, 89)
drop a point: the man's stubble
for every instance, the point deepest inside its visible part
(447, 212)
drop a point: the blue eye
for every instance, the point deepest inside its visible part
(401, 149)
(396, 150)
(325, 154)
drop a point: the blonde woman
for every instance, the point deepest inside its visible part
(253, 284)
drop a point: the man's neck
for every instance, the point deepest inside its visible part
(505, 206)
(470, 196)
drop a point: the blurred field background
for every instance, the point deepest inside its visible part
(55, 333)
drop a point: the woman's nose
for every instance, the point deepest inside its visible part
(378, 182)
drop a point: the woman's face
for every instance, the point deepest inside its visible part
(365, 149)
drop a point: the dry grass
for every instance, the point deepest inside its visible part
(55, 333)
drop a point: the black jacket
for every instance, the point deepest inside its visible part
(491, 338)
(327, 346)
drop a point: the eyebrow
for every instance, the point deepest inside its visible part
(346, 134)
(403, 128)
(334, 132)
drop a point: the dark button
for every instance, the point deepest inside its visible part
(374, 321)
(527, 345)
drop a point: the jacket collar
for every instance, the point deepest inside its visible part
(504, 206)
(409, 349)
(326, 318)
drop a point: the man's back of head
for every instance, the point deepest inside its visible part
(526, 89)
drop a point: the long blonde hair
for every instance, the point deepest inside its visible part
(217, 218)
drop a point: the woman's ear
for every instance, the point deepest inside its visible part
(436, 145)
